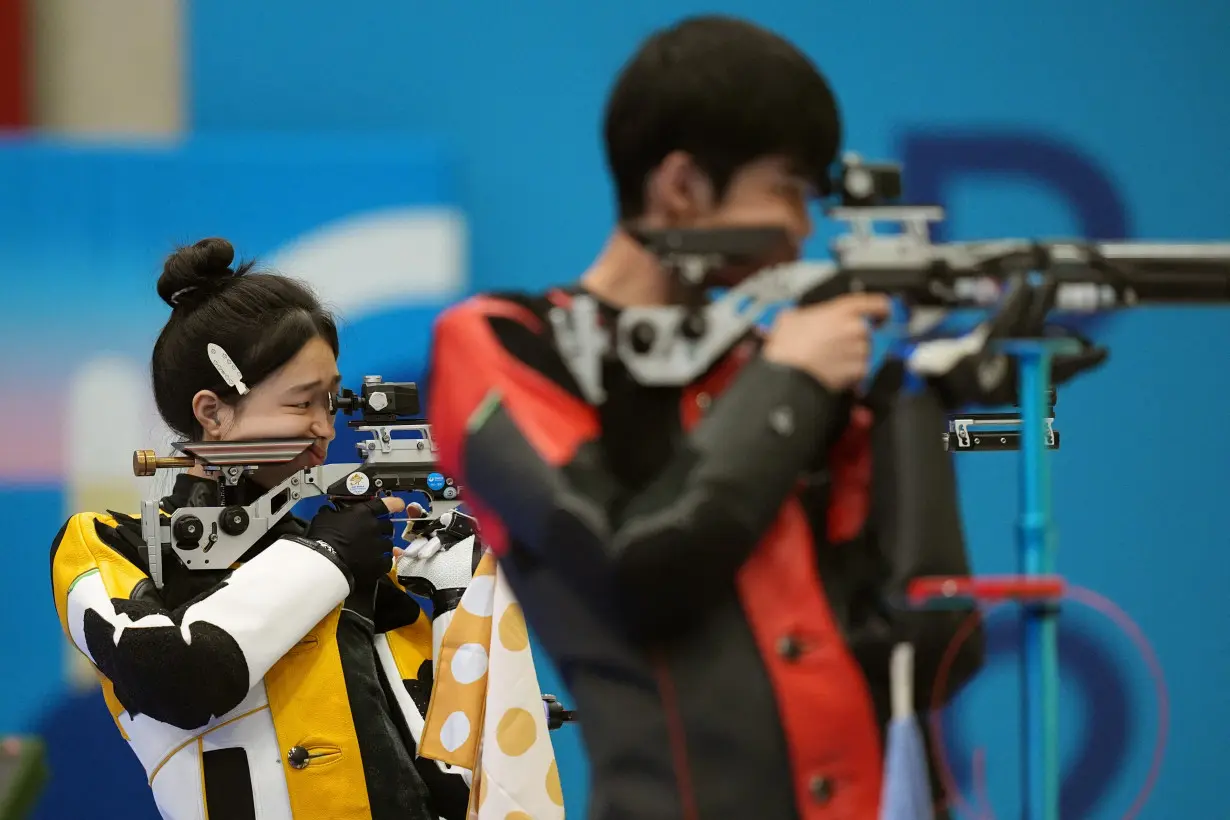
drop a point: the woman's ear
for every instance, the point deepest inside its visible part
(211, 413)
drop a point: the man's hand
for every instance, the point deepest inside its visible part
(831, 340)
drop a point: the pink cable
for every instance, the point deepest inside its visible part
(1099, 604)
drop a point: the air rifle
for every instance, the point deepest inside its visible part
(674, 345)
(398, 457)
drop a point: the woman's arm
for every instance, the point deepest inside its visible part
(188, 665)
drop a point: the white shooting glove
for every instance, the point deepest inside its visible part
(439, 565)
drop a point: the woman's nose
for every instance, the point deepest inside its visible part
(322, 427)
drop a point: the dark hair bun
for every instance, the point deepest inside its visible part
(196, 268)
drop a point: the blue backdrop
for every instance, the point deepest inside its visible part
(1098, 118)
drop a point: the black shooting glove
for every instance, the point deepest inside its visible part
(967, 371)
(359, 536)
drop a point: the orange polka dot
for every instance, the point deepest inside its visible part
(554, 790)
(517, 815)
(513, 633)
(516, 732)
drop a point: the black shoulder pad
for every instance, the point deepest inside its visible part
(124, 537)
(536, 350)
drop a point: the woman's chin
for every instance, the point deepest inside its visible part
(313, 456)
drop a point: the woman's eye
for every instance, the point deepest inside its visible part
(303, 405)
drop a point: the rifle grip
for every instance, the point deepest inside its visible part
(829, 289)
(355, 487)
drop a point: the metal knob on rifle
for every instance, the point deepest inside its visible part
(233, 520)
(146, 463)
(642, 336)
(188, 531)
(694, 325)
(557, 715)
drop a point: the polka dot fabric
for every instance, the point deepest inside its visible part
(486, 712)
(455, 714)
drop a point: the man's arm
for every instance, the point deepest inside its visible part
(528, 451)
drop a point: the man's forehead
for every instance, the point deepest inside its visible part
(770, 165)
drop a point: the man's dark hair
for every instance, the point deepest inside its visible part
(726, 91)
(261, 320)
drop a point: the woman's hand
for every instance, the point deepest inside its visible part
(443, 558)
(360, 535)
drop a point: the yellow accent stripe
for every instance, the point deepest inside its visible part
(197, 739)
(113, 703)
(479, 417)
(78, 579)
(200, 764)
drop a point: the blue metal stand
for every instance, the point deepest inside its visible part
(1036, 556)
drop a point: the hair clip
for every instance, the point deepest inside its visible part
(181, 293)
(226, 368)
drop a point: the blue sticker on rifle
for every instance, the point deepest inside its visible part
(435, 482)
